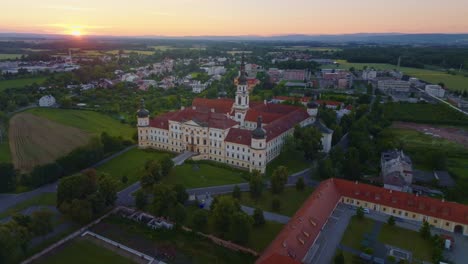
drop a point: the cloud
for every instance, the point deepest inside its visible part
(72, 8)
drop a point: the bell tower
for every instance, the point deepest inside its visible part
(241, 105)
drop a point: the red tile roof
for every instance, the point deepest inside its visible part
(219, 105)
(405, 201)
(304, 227)
(328, 102)
(161, 121)
(204, 118)
(239, 136)
(283, 124)
(267, 118)
(300, 232)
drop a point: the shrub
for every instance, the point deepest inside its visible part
(276, 204)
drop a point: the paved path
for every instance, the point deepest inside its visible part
(100, 163)
(181, 158)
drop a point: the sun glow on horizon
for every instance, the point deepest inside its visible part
(76, 33)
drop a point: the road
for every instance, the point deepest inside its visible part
(445, 102)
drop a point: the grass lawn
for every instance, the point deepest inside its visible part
(84, 251)
(261, 237)
(452, 82)
(19, 83)
(295, 162)
(406, 239)
(204, 175)
(130, 164)
(90, 121)
(291, 200)
(354, 234)
(43, 199)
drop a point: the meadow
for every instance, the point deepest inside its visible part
(36, 140)
(4, 56)
(89, 121)
(452, 82)
(19, 83)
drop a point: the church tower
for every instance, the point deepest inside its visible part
(241, 105)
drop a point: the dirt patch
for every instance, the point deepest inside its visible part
(457, 135)
(36, 140)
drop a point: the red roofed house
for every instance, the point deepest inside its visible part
(236, 132)
(296, 242)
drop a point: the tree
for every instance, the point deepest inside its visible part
(309, 140)
(276, 204)
(425, 230)
(300, 185)
(141, 199)
(107, 187)
(166, 165)
(391, 221)
(181, 193)
(240, 227)
(325, 169)
(124, 179)
(200, 219)
(41, 222)
(352, 165)
(258, 217)
(279, 179)
(360, 212)
(236, 192)
(223, 213)
(178, 214)
(81, 211)
(8, 178)
(339, 258)
(164, 198)
(256, 184)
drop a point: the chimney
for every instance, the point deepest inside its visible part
(265, 102)
(182, 108)
(356, 182)
(194, 107)
(212, 110)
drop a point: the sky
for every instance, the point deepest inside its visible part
(226, 17)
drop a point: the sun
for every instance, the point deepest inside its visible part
(76, 33)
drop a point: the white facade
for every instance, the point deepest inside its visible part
(369, 74)
(393, 86)
(47, 101)
(435, 90)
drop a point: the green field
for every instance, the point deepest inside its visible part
(425, 113)
(291, 200)
(19, 83)
(89, 121)
(406, 239)
(310, 48)
(4, 56)
(295, 162)
(140, 52)
(452, 82)
(204, 174)
(81, 251)
(130, 164)
(45, 199)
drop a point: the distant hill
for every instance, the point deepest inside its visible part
(378, 38)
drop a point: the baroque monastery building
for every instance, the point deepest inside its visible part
(237, 132)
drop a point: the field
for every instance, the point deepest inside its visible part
(19, 83)
(36, 140)
(295, 162)
(4, 56)
(81, 251)
(310, 48)
(130, 164)
(140, 52)
(291, 200)
(425, 113)
(89, 121)
(452, 82)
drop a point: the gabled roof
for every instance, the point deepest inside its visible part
(239, 136)
(219, 105)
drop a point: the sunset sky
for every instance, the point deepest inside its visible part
(241, 17)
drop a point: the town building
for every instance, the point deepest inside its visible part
(198, 86)
(237, 132)
(252, 70)
(47, 101)
(390, 86)
(435, 90)
(369, 74)
(397, 170)
(299, 240)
